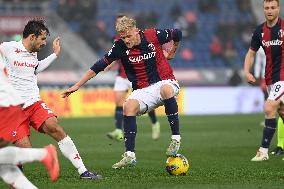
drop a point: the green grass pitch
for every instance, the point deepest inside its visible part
(219, 149)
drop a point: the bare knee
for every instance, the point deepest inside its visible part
(270, 109)
(166, 91)
(131, 107)
(52, 128)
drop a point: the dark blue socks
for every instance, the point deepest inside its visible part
(268, 132)
(171, 109)
(130, 129)
(118, 117)
(152, 116)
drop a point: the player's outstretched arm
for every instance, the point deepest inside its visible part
(172, 52)
(247, 66)
(86, 77)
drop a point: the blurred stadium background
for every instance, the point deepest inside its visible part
(208, 65)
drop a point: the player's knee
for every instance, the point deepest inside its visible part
(270, 110)
(131, 107)
(51, 127)
(166, 92)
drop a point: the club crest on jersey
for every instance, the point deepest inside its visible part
(281, 33)
(151, 47)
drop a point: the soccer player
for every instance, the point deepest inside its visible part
(11, 124)
(152, 79)
(121, 87)
(269, 35)
(23, 65)
(259, 71)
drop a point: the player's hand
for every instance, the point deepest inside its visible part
(250, 78)
(170, 56)
(69, 91)
(56, 46)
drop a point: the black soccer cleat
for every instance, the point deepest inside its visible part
(277, 151)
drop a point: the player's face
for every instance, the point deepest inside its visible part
(39, 42)
(130, 37)
(271, 10)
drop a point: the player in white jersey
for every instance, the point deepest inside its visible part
(12, 119)
(23, 65)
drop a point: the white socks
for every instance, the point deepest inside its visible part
(15, 155)
(69, 150)
(12, 175)
(263, 150)
(176, 137)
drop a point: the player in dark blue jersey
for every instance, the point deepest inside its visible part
(121, 87)
(152, 79)
(269, 36)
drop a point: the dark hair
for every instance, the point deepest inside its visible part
(35, 27)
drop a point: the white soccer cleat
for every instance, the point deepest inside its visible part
(128, 160)
(173, 148)
(156, 131)
(260, 156)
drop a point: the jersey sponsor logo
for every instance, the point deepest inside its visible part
(276, 42)
(23, 64)
(142, 57)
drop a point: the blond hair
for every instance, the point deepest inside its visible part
(271, 1)
(124, 23)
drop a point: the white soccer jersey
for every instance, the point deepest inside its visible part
(22, 69)
(8, 96)
(259, 64)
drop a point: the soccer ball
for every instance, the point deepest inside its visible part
(177, 165)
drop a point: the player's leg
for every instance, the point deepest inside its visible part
(155, 125)
(12, 175)
(168, 93)
(130, 110)
(43, 120)
(48, 156)
(117, 134)
(268, 131)
(67, 147)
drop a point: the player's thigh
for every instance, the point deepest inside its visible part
(120, 97)
(148, 99)
(38, 114)
(13, 124)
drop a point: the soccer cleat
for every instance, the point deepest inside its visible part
(117, 134)
(128, 160)
(91, 175)
(173, 148)
(260, 156)
(50, 161)
(277, 151)
(156, 131)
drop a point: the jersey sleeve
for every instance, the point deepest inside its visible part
(113, 54)
(166, 35)
(255, 40)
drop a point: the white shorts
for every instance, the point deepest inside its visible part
(150, 97)
(276, 91)
(122, 84)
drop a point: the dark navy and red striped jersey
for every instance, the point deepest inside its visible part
(144, 64)
(121, 71)
(271, 39)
